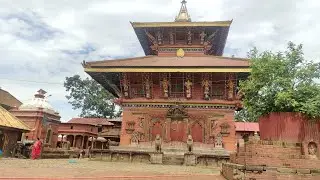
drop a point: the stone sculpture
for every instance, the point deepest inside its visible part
(188, 85)
(165, 86)
(218, 141)
(312, 150)
(158, 143)
(190, 144)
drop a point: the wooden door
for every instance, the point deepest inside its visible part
(197, 132)
(177, 131)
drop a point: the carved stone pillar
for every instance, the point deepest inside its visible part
(168, 126)
(186, 129)
(87, 143)
(74, 141)
(82, 142)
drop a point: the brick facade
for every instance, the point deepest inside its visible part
(151, 121)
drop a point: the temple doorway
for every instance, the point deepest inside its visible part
(177, 131)
(197, 132)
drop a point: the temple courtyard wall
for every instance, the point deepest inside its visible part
(288, 149)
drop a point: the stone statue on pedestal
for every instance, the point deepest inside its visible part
(158, 143)
(190, 144)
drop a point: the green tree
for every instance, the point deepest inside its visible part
(281, 82)
(90, 97)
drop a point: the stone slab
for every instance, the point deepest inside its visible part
(190, 159)
(156, 158)
(303, 171)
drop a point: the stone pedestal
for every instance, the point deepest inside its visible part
(190, 159)
(156, 158)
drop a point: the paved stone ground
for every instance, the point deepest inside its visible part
(85, 169)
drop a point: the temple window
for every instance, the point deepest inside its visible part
(218, 86)
(99, 129)
(136, 85)
(71, 127)
(177, 85)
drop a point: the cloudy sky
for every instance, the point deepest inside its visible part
(42, 42)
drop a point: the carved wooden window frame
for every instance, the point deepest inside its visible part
(137, 85)
(177, 81)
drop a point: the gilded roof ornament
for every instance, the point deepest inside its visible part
(183, 15)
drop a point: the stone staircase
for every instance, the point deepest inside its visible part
(172, 159)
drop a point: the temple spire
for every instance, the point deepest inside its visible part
(183, 15)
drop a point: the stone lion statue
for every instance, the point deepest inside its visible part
(190, 144)
(158, 143)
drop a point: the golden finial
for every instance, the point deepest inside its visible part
(183, 15)
(180, 53)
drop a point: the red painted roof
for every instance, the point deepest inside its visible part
(247, 126)
(92, 121)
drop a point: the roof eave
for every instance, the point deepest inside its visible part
(181, 24)
(169, 69)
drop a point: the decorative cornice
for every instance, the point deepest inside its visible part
(193, 106)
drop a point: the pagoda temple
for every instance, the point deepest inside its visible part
(183, 86)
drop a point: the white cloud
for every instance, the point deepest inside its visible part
(47, 41)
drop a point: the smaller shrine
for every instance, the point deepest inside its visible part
(41, 117)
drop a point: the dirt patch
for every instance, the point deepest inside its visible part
(85, 169)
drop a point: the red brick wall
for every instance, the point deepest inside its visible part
(290, 127)
(273, 154)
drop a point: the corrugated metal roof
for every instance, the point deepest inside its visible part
(10, 121)
(247, 126)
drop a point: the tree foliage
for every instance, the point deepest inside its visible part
(90, 97)
(281, 82)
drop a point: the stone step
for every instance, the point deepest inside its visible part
(169, 159)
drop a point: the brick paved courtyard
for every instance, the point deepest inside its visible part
(85, 169)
